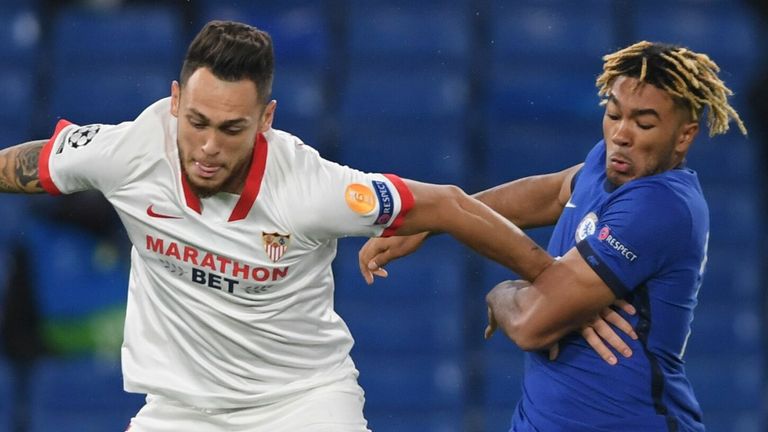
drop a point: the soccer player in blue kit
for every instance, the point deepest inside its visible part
(632, 225)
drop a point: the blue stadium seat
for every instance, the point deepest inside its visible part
(558, 32)
(108, 95)
(15, 214)
(428, 150)
(526, 91)
(427, 93)
(734, 218)
(96, 80)
(19, 50)
(502, 381)
(409, 36)
(503, 373)
(301, 104)
(498, 417)
(725, 160)
(728, 381)
(410, 382)
(406, 122)
(299, 28)
(732, 275)
(12, 5)
(83, 394)
(417, 309)
(405, 96)
(518, 149)
(301, 37)
(544, 60)
(738, 419)
(725, 327)
(726, 31)
(80, 278)
(413, 420)
(410, 325)
(6, 392)
(19, 37)
(435, 271)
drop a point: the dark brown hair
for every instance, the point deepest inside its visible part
(233, 51)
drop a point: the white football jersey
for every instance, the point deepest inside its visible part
(230, 298)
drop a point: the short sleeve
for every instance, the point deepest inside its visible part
(636, 233)
(77, 158)
(339, 201)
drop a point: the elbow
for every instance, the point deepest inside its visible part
(452, 197)
(445, 204)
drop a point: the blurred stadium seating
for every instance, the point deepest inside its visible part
(469, 92)
(20, 32)
(95, 78)
(301, 33)
(405, 90)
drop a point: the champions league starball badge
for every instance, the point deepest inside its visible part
(83, 135)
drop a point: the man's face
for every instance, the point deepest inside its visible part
(645, 132)
(217, 125)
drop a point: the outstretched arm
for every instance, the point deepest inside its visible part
(532, 201)
(448, 209)
(528, 202)
(19, 171)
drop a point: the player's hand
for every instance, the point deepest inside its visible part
(496, 297)
(600, 335)
(378, 252)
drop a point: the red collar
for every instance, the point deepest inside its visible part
(252, 184)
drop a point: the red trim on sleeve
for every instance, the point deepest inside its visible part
(43, 164)
(406, 200)
(253, 182)
(193, 201)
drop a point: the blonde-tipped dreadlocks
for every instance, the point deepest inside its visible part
(691, 78)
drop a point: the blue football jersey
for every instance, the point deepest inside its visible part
(647, 240)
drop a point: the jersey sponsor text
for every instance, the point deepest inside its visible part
(217, 263)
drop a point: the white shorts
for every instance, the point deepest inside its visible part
(332, 408)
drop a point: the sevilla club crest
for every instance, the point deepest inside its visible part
(275, 245)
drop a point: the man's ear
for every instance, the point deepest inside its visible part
(268, 116)
(175, 96)
(688, 132)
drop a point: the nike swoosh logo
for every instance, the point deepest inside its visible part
(569, 204)
(152, 213)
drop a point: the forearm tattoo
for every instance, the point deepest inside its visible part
(19, 168)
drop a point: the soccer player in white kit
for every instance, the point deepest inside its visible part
(230, 323)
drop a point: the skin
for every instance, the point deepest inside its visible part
(217, 125)
(218, 122)
(19, 170)
(645, 133)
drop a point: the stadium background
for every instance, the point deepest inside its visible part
(470, 92)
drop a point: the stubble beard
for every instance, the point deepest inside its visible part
(228, 185)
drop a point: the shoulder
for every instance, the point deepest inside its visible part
(670, 202)
(289, 155)
(156, 121)
(287, 145)
(676, 188)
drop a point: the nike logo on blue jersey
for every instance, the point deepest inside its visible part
(570, 204)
